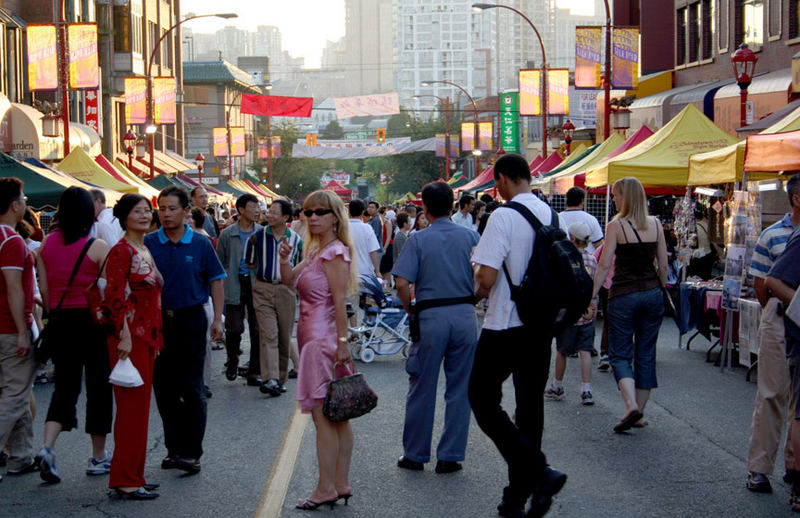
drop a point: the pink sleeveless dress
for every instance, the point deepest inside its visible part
(316, 329)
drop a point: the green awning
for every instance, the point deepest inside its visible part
(40, 190)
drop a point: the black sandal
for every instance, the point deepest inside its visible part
(628, 421)
(310, 505)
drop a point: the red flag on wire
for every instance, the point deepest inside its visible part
(277, 106)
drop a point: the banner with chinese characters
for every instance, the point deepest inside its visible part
(509, 122)
(91, 110)
(441, 145)
(84, 71)
(485, 135)
(558, 91)
(164, 94)
(277, 106)
(588, 56)
(135, 100)
(276, 146)
(238, 145)
(467, 136)
(625, 57)
(220, 139)
(366, 105)
(263, 148)
(530, 102)
(42, 57)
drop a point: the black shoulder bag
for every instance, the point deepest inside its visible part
(44, 345)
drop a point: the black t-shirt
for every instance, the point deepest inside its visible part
(787, 269)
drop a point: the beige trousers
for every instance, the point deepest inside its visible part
(772, 403)
(16, 421)
(274, 306)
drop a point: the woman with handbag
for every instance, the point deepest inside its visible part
(636, 243)
(133, 292)
(69, 260)
(323, 279)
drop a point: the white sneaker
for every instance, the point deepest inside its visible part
(586, 398)
(554, 394)
(99, 466)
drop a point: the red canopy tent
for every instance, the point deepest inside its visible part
(536, 161)
(548, 164)
(485, 177)
(339, 189)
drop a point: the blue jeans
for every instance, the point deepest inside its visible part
(633, 324)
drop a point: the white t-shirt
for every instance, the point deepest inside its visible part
(570, 216)
(364, 242)
(508, 238)
(108, 227)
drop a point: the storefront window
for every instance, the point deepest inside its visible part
(753, 24)
(794, 18)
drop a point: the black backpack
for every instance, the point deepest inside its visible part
(556, 288)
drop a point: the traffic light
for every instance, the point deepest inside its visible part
(381, 135)
(311, 139)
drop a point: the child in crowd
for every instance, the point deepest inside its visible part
(579, 337)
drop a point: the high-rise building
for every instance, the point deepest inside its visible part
(368, 46)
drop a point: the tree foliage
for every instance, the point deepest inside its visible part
(333, 131)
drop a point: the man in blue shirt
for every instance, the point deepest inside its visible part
(191, 272)
(239, 288)
(437, 263)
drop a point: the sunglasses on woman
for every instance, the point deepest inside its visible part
(318, 212)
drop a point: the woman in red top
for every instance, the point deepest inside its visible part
(133, 291)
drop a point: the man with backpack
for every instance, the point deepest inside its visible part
(510, 346)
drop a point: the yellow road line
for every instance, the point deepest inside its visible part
(274, 493)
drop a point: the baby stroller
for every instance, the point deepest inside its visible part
(384, 329)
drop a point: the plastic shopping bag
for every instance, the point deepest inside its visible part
(125, 375)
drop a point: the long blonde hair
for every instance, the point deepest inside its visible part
(329, 200)
(634, 201)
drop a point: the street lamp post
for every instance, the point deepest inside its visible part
(744, 65)
(64, 71)
(568, 128)
(477, 151)
(151, 129)
(228, 139)
(129, 140)
(446, 102)
(199, 160)
(543, 95)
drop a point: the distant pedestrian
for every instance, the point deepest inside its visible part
(133, 289)
(578, 338)
(191, 272)
(373, 219)
(463, 217)
(366, 247)
(437, 263)
(636, 303)
(82, 346)
(509, 348)
(401, 237)
(323, 279)
(576, 198)
(200, 201)
(107, 226)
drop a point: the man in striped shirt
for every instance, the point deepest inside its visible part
(772, 397)
(274, 302)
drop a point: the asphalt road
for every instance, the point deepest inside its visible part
(690, 460)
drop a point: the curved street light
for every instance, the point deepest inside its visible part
(446, 102)
(543, 96)
(151, 128)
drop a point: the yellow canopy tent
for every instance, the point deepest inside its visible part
(145, 190)
(80, 165)
(547, 183)
(239, 184)
(725, 165)
(663, 158)
(66, 180)
(407, 197)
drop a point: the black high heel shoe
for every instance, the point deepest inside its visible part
(345, 497)
(310, 505)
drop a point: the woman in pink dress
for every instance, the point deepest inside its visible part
(322, 280)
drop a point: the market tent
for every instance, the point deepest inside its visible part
(262, 190)
(213, 194)
(239, 184)
(407, 197)
(122, 173)
(570, 160)
(463, 180)
(595, 155)
(725, 165)
(551, 162)
(80, 165)
(163, 181)
(536, 161)
(456, 177)
(338, 188)
(663, 158)
(773, 152)
(230, 189)
(486, 176)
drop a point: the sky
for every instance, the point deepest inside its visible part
(305, 24)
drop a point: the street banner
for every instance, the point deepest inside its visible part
(276, 146)
(135, 100)
(558, 91)
(276, 106)
(441, 145)
(220, 138)
(509, 122)
(625, 57)
(164, 94)
(42, 57)
(238, 146)
(467, 136)
(91, 110)
(84, 71)
(588, 56)
(530, 102)
(380, 104)
(340, 177)
(485, 135)
(263, 148)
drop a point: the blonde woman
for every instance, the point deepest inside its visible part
(636, 304)
(322, 280)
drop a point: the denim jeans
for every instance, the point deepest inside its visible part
(633, 324)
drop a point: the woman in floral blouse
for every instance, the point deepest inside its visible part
(133, 294)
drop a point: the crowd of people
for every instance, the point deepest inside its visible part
(177, 279)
